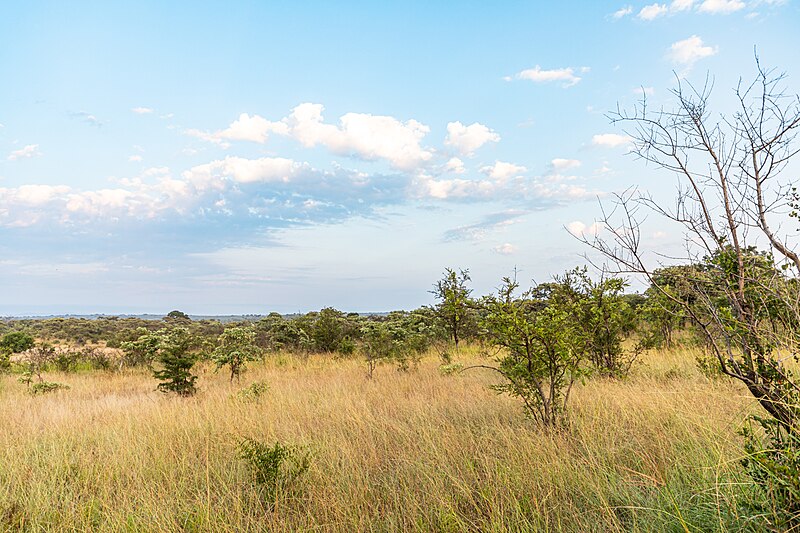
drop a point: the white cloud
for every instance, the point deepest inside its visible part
(622, 12)
(721, 6)
(245, 128)
(536, 74)
(369, 137)
(134, 158)
(681, 5)
(560, 165)
(505, 249)
(241, 170)
(33, 195)
(653, 11)
(31, 150)
(455, 165)
(687, 52)
(611, 140)
(579, 229)
(142, 110)
(502, 171)
(467, 139)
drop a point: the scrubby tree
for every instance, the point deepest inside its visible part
(235, 347)
(455, 307)
(173, 356)
(11, 343)
(732, 205)
(540, 345)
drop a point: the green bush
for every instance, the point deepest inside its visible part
(44, 387)
(254, 391)
(275, 469)
(773, 462)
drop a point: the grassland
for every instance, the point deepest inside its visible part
(402, 452)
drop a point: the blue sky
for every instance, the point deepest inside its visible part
(244, 157)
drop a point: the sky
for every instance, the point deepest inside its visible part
(252, 156)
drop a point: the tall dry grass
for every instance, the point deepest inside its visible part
(416, 451)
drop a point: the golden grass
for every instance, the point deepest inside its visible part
(416, 451)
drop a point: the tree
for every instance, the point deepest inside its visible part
(397, 339)
(541, 347)
(172, 350)
(731, 202)
(177, 316)
(454, 307)
(235, 347)
(11, 343)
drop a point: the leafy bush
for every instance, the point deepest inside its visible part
(452, 368)
(44, 387)
(236, 347)
(773, 462)
(66, 361)
(254, 391)
(275, 469)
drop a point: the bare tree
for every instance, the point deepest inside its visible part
(732, 203)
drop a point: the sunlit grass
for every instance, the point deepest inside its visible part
(403, 451)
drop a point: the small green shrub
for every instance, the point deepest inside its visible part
(450, 369)
(66, 361)
(254, 391)
(275, 469)
(44, 387)
(709, 366)
(773, 462)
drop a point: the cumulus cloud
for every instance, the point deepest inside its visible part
(689, 51)
(721, 6)
(467, 139)
(579, 229)
(368, 137)
(26, 152)
(246, 128)
(539, 75)
(455, 166)
(653, 11)
(142, 110)
(611, 140)
(505, 249)
(242, 170)
(561, 165)
(502, 171)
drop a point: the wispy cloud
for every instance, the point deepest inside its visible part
(26, 152)
(540, 75)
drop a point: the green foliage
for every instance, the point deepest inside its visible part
(45, 387)
(16, 342)
(542, 345)
(170, 350)
(773, 462)
(275, 469)
(235, 347)
(398, 339)
(604, 320)
(143, 349)
(455, 310)
(177, 316)
(254, 391)
(66, 361)
(450, 369)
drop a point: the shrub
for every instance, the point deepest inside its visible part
(66, 361)
(275, 469)
(44, 387)
(452, 368)
(254, 391)
(773, 462)
(236, 347)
